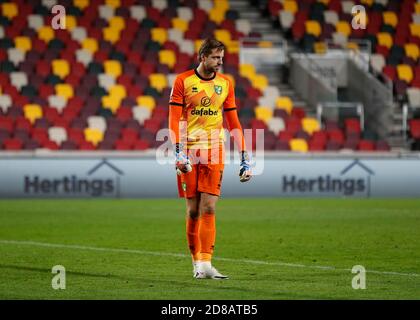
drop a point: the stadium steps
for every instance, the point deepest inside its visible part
(263, 25)
(396, 138)
(260, 24)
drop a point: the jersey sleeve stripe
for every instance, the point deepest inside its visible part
(176, 104)
(229, 109)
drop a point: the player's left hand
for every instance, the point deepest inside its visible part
(245, 173)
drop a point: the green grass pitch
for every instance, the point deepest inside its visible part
(270, 248)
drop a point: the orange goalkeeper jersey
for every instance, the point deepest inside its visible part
(203, 101)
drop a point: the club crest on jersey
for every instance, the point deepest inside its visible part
(218, 89)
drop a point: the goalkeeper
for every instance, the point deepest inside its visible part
(199, 100)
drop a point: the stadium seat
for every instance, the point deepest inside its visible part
(384, 39)
(243, 26)
(147, 102)
(32, 112)
(58, 102)
(415, 29)
(405, 73)
(90, 44)
(5, 102)
(344, 28)
(111, 102)
(313, 27)
(57, 134)
(158, 81)
(60, 68)
(159, 35)
(290, 5)
(310, 125)
(19, 79)
(93, 136)
(12, 144)
(167, 57)
(118, 91)
(298, 145)
(141, 114)
(276, 125)
(413, 95)
(263, 113)
(352, 126)
(64, 90)
(377, 62)
(390, 18)
(112, 68)
(412, 50)
(106, 80)
(16, 56)
(247, 70)
(331, 17)
(97, 122)
(414, 127)
(185, 13)
(22, 43)
(138, 12)
(46, 33)
(284, 103)
(366, 145)
(259, 81)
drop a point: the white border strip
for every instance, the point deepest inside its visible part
(169, 254)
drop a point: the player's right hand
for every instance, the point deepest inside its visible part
(182, 163)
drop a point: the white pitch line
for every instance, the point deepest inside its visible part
(170, 254)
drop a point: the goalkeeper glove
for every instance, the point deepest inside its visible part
(182, 163)
(245, 167)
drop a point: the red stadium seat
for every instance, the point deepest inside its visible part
(6, 123)
(12, 144)
(141, 145)
(366, 145)
(50, 145)
(352, 126)
(319, 137)
(285, 136)
(415, 128)
(86, 146)
(336, 135)
(23, 124)
(122, 145)
(315, 145)
(293, 125)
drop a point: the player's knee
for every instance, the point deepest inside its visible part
(208, 208)
(192, 213)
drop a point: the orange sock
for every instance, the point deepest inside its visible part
(207, 235)
(192, 237)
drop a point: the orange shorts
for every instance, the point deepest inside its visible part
(206, 174)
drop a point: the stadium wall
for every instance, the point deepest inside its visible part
(140, 175)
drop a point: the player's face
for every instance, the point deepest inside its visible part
(214, 61)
